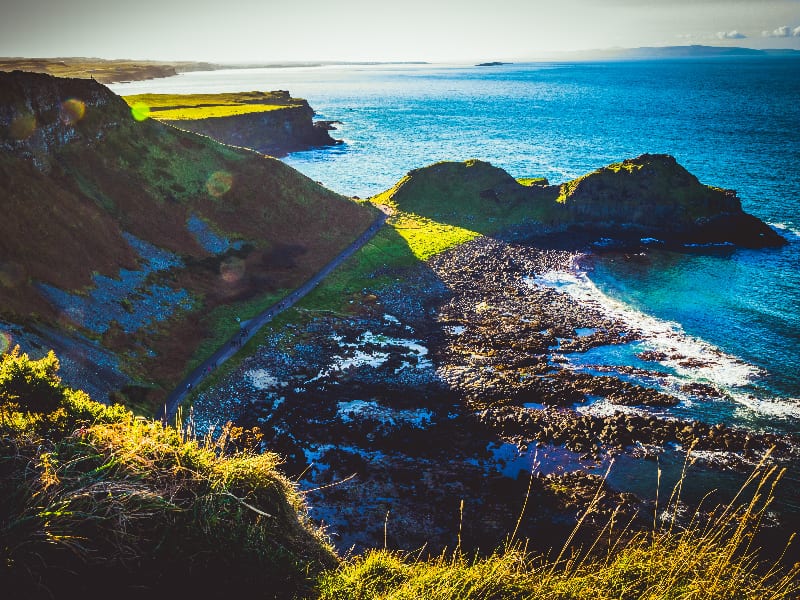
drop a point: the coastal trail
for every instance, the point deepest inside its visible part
(251, 327)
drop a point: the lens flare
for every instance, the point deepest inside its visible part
(232, 269)
(219, 183)
(5, 341)
(140, 111)
(72, 111)
(22, 127)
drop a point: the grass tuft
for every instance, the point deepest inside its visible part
(711, 557)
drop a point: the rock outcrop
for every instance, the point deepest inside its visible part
(653, 194)
(40, 114)
(648, 196)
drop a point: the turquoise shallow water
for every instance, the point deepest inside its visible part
(733, 123)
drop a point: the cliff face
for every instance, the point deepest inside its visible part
(654, 194)
(274, 132)
(40, 114)
(652, 190)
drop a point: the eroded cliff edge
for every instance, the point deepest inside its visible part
(274, 123)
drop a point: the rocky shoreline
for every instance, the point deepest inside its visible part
(454, 384)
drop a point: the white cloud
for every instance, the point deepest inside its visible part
(730, 35)
(782, 31)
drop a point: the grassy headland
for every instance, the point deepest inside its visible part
(190, 107)
(270, 122)
(104, 71)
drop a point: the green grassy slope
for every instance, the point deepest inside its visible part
(78, 174)
(95, 501)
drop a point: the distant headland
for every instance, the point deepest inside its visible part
(125, 70)
(671, 52)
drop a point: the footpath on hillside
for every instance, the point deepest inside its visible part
(251, 327)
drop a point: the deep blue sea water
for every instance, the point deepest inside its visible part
(734, 123)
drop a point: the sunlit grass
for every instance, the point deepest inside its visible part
(426, 238)
(93, 498)
(185, 107)
(711, 557)
(91, 491)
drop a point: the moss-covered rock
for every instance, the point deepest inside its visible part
(651, 195)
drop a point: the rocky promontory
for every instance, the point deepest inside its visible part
(651, 196)
(654, 195)
(274, 122)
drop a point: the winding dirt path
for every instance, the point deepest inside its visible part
(251, 327)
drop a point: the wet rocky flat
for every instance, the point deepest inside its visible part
(455, 384)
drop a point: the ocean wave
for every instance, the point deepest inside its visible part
(781, 408)
(708, 362)
(788, 231)
(689, 358)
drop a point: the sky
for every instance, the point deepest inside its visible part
(375, 30)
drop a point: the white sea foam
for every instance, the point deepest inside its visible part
(688, 357)
(261, 379)
(602, 407)
(787, 231)
(356, 409)
(781, 408)
(357, 356)
(391, 319)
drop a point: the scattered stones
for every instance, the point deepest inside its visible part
(409, 394)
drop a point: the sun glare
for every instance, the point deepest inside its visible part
(140, 111)
(72, 111)
(219, 183)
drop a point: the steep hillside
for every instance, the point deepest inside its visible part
(648, 195)
(94, 501)
(126, 235)
(270, 122)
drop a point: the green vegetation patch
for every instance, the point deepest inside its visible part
(189, 107)
(529, 181)
(92, 497)
(474, 196)
(651, 184)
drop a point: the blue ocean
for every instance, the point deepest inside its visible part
(735, 123)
